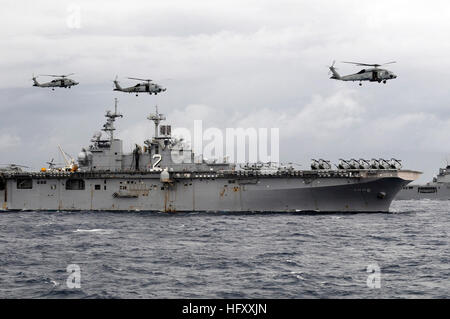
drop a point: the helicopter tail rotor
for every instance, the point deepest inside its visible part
(333, 71)
(51, 164)
(35, 82)
(331, 66)
(117, 86)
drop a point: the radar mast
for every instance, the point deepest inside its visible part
(108, 127)
(156, 118)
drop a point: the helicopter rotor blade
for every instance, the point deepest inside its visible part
(138, 79)
(58, 76)
(389, 63)
(368, 64)
(361, 64)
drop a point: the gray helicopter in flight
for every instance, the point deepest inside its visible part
(148, 86)
(373, 74)
(61, 81)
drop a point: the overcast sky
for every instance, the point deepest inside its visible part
(231, 64)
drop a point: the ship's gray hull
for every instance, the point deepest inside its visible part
(439, 191)
(205, 193)
(373, 196)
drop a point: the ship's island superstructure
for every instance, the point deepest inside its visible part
(164, 175)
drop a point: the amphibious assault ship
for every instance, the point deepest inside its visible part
(437, 189)
(162, 175)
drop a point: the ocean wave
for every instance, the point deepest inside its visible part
(223, 255)
(95, 230)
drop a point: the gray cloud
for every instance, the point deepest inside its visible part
(246, 63)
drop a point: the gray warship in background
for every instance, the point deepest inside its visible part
(163, 176)
(437, 189)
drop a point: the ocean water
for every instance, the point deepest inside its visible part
(223, 255)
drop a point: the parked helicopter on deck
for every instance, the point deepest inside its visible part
(374, 74)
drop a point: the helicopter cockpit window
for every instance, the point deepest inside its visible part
(137, 85)
(361, 72)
